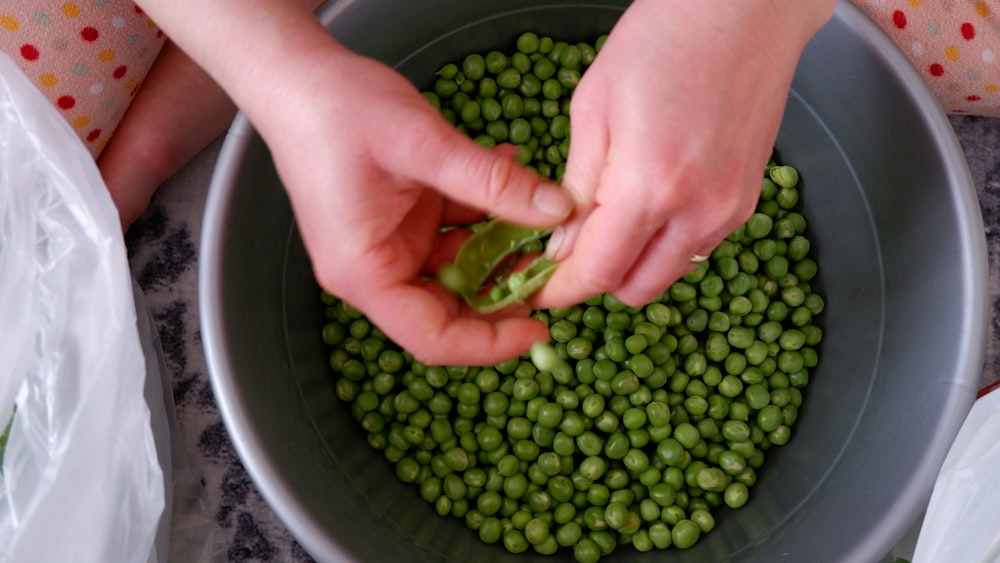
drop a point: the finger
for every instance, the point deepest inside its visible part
(457, 308)
(588, 152)
(443, 252)
(563, 238)
(667, 256)
(438, 155)
(662, 262)
(414, 318)
(609, 242)
(454, 213)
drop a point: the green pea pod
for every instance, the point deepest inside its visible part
(480, 256)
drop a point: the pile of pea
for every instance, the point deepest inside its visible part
(648, 421)
(522, 99)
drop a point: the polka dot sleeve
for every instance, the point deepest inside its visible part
(87, 56)
(953, 43)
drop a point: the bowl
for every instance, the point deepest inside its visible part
(900, 244)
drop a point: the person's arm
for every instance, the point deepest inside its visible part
(672, 127)
(150, 145)
(369, 210)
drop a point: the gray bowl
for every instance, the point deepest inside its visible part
(901, 249)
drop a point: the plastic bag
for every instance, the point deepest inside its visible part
(962, 522)
(82, 479)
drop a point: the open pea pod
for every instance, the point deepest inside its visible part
(478, 259)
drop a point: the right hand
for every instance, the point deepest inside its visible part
(672, 126)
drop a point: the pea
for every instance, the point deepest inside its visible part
(528, 43)
(586, 551)
(514, 541)
(704, 519)
(519, 130)
(736, 494)
(685, 534)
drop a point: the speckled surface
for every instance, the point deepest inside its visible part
(163, 252)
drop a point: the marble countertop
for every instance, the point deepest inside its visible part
(163, 253)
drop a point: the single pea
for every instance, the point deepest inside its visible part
(519, 130)
(736, 494)
(735, 430)
(528, 42)
(544, 68)
(531, 86)
(682, 291)
(625, 382)
(532, 107)
(686, 434)
(468, 393)
(759, 225)
(704, 519)
(685, 534)
(586, 550)
(550, 415)
(616, 445)
(784, 176)
(514, 541)
(569, 78)
(740, 337)
(569, 534)
(769, 417)
(572, 423)
(740, 306)
(791, 339)
(776, 267)
(552, 90)
(636, 461)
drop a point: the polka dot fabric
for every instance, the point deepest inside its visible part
(955, 44)
(87, 56)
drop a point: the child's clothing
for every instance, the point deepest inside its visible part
(87, 56)
(90, 56)
(955, 44)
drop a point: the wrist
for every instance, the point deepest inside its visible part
(257, 51)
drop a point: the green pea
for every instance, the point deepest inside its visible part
(519, 130)
(736, 494)
(769, 418)
(568, 77)
(528, 43)
(704, 519)
(514, 541)
(740, 337)
(586, 551)
(550, 415)
(530, 86)
(616, 445)
(686, 434)
(685, 534)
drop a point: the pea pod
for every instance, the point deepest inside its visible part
(482, 254)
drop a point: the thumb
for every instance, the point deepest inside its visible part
(490, 180)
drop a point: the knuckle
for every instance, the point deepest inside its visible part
(499, 177)
(599, 278)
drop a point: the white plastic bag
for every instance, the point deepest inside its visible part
(962, 522)
(81, 478)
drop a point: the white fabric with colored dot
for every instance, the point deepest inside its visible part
(953, 43)
(87, 56)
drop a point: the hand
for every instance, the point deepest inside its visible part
(672, 127)
(373, 172)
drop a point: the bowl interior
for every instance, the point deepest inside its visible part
(895, 225)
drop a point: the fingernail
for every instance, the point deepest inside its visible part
(555, 243)
(552, 200)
